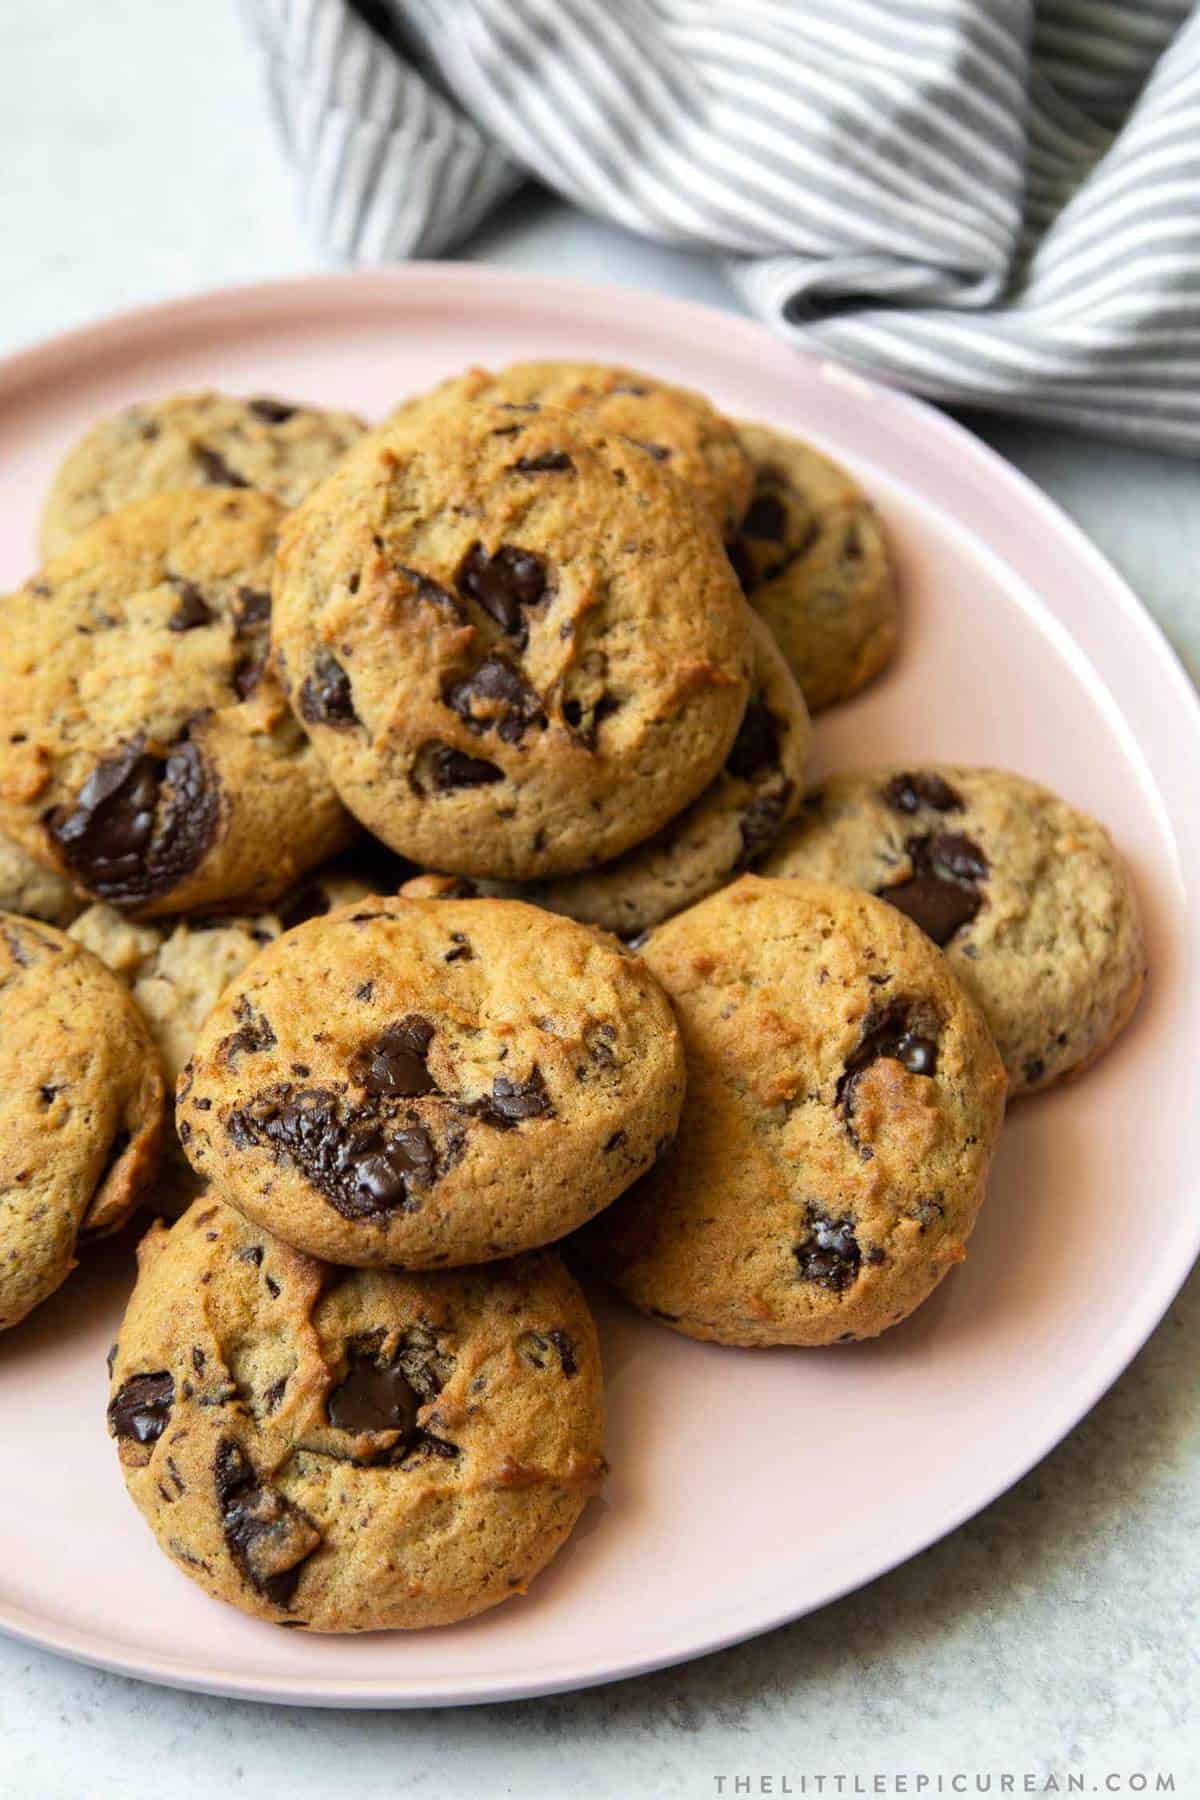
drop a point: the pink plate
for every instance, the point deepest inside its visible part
(748, 1486)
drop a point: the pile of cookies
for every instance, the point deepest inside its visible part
(425, 808)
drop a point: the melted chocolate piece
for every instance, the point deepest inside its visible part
(269, 1539)
(756, 745)
(253, 1035)
(828, 1253)
(510, 1102)
(271, 412)
(942, 894)
(394, 1064)
(217, 471)
(449, 768)
(549, 462)
(766, 518)
(364, 1163)
(496, 695)
(907, 793)
(141, 1407)
(373, 1396)
(888, 1033)
(193, 609)
(325, 696)
(247, 674)
(139, 824)
(504, 585)
(254, 608)
(433, 593)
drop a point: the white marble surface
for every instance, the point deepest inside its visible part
(1057, 1631)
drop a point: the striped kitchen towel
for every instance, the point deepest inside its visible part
(994, 202)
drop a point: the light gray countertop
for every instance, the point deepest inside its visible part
(1054, 1633)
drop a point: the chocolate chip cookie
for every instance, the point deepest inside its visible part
(177, 970)
(82, 1103)
(732, 825)
(146, 752)
(814, 562)
(843, 1101)
(1025, 894)
(425, 1082)
(189, 441)
(353, 1450)
(680, 429)
(30, 888)
(516, 642)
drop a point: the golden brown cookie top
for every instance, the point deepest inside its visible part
(148, 753)
(516, 642)
(425, 1082)
(352, 1450)
(82, 1103)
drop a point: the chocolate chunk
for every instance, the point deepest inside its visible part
(504, 585)
(762, 820)
(889, 1033)
(253, 608)
(828, 1253)
(365, 1165)
(535, 1347)
(269, 1539)
(193, 608)
(394, 1063)
(247, 674)
(907, 793)
(756, 745)
(433, 593)
(271, 412)
(496, 695)
(942, 894)
(325, 696)
(141, 1407)
(585, 722)
(566, 1350)
(139, 824)
(449, 768)
(512, 1101)
(766, 518)
(216, 470)
(252, 1036)
(373, 1396)
(549, 462)
(1033, 1069)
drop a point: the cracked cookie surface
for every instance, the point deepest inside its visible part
(352, 1450)
(679, 428)
(82, 1104)
(843, 1101)
(516, 642)
(431, 1082)
(1026, 895)
(815, 565)
(146, 752)
(190, 441)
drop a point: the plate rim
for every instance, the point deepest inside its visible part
(28, 364)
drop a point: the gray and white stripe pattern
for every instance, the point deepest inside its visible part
(994, 202)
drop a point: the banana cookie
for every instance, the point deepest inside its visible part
(146, 751)
(82, 1103)
(843, 1101)
(1026, 895)
(732, 825)
(814, 562)
(189, 441)
(353, 1450)
(679, 428)
(517, 643)
(425, 1082)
